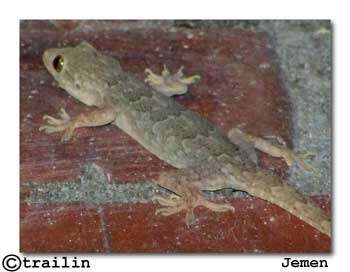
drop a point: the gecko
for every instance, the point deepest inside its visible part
(205, 158)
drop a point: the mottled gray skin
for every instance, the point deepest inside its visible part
(207, 159)
(176, 135)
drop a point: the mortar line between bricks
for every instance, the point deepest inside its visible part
(106, 238)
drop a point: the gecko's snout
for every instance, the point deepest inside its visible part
(45, 57)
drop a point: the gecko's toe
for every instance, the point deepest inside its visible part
(64, 115)
(216, 207)
(53, 121)
(49, 129)
(190, 218)
(68, 133)
(168, 210)
(172, 201)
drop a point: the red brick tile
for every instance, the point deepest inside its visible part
(256, 227)
(55, 228)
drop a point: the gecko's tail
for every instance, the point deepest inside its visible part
(268, 187)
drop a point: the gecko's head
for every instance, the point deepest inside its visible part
(82, 71)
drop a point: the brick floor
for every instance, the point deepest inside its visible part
(239, 85)
(55, 228)
(255, 227)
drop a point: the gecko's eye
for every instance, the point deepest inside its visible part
(58, 63)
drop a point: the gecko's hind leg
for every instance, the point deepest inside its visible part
(188, 195)
(169, 84)
(278, 150)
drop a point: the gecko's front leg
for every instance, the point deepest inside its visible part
(186, 184)
(170, 84)
(92, 118)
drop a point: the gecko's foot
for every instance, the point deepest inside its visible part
(177, 204)
(64, 123)
(172, 205)
(300, 159)
(290, 156)
(168, 84)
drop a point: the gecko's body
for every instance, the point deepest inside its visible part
(206, 158)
